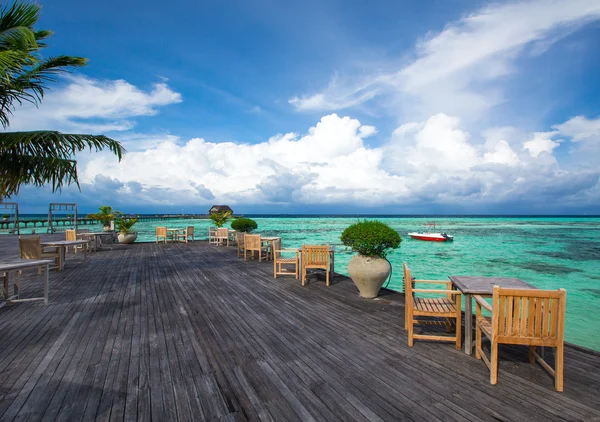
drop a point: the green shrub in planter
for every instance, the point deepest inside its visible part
(371, 238)
(243, 224)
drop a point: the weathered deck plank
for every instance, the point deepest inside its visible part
(190, 332)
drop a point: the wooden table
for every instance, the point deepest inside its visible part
(62, 246)
(271, 242)
(15, 266)
(174, 233)
(97, 236)
(483, 286)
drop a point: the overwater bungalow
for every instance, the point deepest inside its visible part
(187, 331)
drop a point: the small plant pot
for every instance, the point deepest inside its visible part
(369, 273)
(127, 238)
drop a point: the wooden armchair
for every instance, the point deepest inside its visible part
(525, 317)
(448, 307)
(222, 236)
(161, 232)
(239, 241)
(316, 257)
(189, 231)
(279, 260)
(212, 236)
(252, 243)
(31, 248)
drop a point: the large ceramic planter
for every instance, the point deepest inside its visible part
(369, 273)
(127, 238)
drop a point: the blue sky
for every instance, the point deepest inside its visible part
(449, 106)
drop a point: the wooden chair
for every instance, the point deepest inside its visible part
(161, 232)
(212, 236)
(189, 231)
(252, 243)
(316, 257)
(31, 248)
(279, 260)
(222, 236)
(448, 307)
(239, 241)
(71, 235)
(74, 235)
(525, 317)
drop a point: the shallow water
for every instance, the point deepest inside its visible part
(546, 252)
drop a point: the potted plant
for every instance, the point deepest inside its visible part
(245, 225)
(220, 218)
(106, 216)
(126, 235)
(370, 268)
(5, 217)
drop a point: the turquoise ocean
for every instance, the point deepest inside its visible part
(548, 252)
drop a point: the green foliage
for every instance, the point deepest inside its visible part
(371, 238)
(106, 215)
(243, 224)
(124, 225)
(220, 218)
(5, 216)
(37, 157)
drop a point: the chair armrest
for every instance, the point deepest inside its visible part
(481, 301)
(432, 281)
(446, 292)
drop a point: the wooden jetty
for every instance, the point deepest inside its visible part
(67, 222)
(190, 332)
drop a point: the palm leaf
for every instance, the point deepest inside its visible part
(45, 157)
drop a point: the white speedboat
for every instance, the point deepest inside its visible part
(431, 236)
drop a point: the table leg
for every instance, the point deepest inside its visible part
(46, 282)
(5, 292)
(468, 324)
(16, 284)
(61, 257)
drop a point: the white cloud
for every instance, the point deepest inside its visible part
(455, 71)
(541, 142)
(85, 104)
(435, 161)
(581, 129)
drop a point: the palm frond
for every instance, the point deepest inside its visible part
(45, 157)
(19, 14)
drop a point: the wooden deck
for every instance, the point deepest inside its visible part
(190, 332)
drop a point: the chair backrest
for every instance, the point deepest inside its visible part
(71, 234)
(252, 241)
(239, 238)
(529, 316)
(276, 247)
(315, 255)
(223, 232)
(190, 230)
(30, 247)
(161, 231)
(407, 283)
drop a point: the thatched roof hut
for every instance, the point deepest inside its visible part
(220, 208)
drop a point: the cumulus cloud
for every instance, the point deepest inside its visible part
(541, 142)
(435, 161)
(581, 129)
(454, 71)
(84, 104)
